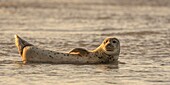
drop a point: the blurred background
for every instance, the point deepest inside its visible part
(142, 26)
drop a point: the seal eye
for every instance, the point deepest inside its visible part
(114, 41)
(106, 41)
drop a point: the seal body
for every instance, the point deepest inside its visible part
(33, 54)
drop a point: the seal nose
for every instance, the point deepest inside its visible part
(109, 45)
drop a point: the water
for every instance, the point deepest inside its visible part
(143, 30)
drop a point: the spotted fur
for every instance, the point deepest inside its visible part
(30, 53)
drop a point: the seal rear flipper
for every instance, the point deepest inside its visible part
(20, 43)
(79, 51)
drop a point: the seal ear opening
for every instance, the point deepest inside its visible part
(20, 43)
(79, 51)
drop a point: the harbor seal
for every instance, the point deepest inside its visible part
(107, 52)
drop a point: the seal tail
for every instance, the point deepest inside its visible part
(20, 43)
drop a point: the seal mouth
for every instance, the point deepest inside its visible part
(109, 50)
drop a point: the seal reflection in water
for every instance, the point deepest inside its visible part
(107, 52)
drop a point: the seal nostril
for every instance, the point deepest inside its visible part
(109, 44)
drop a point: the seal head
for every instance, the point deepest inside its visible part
(111, 46)
(108, 51)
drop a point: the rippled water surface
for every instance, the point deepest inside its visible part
(60, 25)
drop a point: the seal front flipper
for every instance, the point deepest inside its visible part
(20, 43)
(79, 51)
